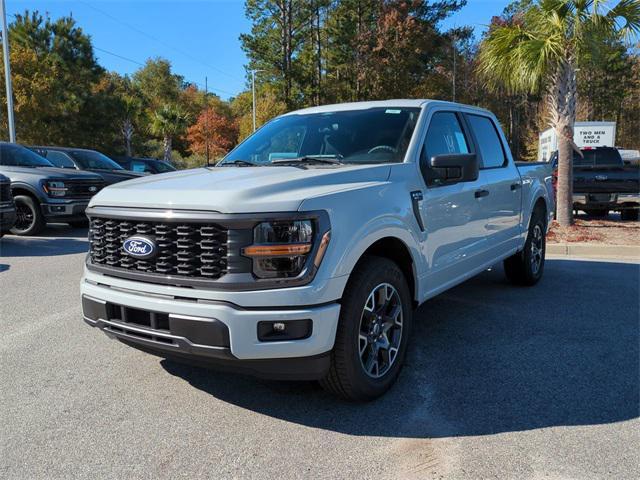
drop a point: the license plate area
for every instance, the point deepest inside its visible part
(600, 197)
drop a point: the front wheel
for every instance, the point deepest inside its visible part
(373, 331)
(29, 218)
(525, 267)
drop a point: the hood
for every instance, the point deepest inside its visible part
(239, 189)
(48, 172)
(114, 176)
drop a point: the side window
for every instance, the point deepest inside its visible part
(488, 140)
(138, 166)
(59, 159)
(444, 136)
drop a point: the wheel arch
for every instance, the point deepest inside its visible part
(24, 189)
(396, 250)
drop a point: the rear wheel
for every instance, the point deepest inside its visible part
(597, 212)
(29, 218)
(630, 214)
(526, 267)
(373, 331)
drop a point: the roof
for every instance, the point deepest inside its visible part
(397, 103)
(63, 149)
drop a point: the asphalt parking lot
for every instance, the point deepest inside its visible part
(500, 382)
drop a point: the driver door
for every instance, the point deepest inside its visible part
(450, 213)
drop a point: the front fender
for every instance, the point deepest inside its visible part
(359, 218)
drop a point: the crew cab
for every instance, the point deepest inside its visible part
(43, 193)
(87, 160)
(304, 252)
(603, 183)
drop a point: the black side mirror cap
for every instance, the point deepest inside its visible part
(459, 167)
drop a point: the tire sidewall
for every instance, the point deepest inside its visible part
(536, 219)
(31, 204)
(351, 314)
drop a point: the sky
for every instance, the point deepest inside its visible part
(199, 37)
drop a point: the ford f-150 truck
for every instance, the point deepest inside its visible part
(602, 183)
(303, 254)
(44, 193)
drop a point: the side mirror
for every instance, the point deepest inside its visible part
(460, 167)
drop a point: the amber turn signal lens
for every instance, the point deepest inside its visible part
(324, 243)
(277, 250)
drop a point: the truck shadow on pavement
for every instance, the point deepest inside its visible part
(52, 242)
(485, 358)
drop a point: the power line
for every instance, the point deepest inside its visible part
(142, 65)
(155, 39)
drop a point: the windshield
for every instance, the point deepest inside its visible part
(18, 156)
(598, 157)
(90, 160)
(376, 135)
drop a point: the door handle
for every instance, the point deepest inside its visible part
(515, 186)
(481, 193)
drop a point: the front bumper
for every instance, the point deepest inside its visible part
(612, 201)
(7, 217)
(64, 210)
(216, 333)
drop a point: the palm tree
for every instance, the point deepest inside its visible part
(168, 122)
(539, 49)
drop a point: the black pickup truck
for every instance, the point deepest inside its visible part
(88, 161)
(44, 193)
(602, 183)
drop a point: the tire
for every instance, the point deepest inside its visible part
(29, 220)
(526, 267)
(363, 311)
(632, 215)
(597, 213)
(79, 223)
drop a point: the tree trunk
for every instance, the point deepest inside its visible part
(127, 133)
(167, 148)
(563, 110)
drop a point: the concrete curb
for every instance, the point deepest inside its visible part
(594, 250)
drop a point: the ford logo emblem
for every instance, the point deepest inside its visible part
(139, 247)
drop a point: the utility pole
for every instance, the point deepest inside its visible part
(206, 119)
(7, 73)
(253, 93)
(454, 68)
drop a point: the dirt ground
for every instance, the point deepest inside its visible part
(608, 231)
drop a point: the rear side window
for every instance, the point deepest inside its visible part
(59, 159)
(138, 166)
(488, 140)
(444, 136)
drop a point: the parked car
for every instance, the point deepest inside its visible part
(7, 206)
(603, 183)
(303, 254)
(88, 160)
(145, 165)
(44, 193)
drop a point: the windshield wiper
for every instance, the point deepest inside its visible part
(331, 160)
(240, 163)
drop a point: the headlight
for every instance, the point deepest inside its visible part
(55, 189)
(280, 248)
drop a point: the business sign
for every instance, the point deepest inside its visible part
(595, 136)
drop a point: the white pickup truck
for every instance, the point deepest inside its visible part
(304, 252)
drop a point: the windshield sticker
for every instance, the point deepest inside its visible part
(391, 110)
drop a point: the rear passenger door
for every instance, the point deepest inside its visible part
(501, 187)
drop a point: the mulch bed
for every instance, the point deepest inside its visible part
(607, 231)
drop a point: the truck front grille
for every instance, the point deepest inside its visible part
(183, 249)
(82, 189)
